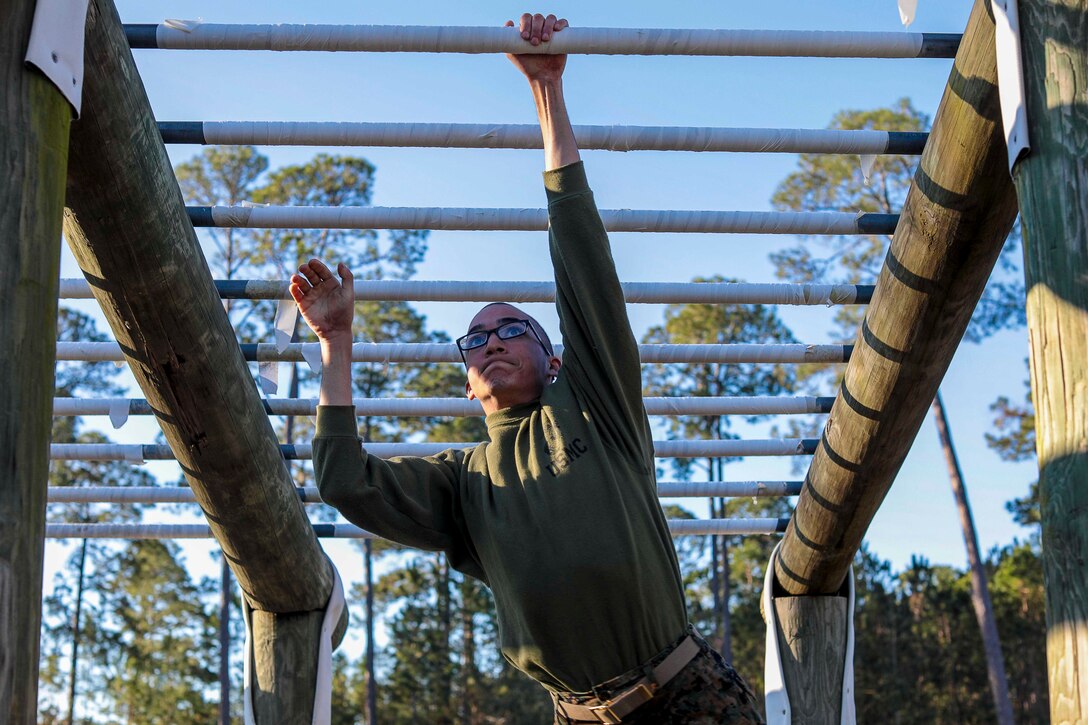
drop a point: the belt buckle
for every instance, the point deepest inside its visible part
(604, 712)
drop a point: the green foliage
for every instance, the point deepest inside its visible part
(328, 180)
(715, 324)
(834, 182)
(147, 634)
(223, 176)
(918, 657)
(1014, 440)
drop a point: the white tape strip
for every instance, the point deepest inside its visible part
(286, 317)
(420, 352)
(1010, 79)
(119, 412)
(907, 9)
(776, 697)
(867, 163)
(606, 41)
(526, 136)
(311, 353)
(56, 45)
(415, 290)
(483, 219)
(269, 376)
(323, 691)
(247, 668)
(185, 26)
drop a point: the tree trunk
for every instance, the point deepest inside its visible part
(224, 641)
(727, 624)
(715, 569)
(35, 120)
(371, 682)
(77, 620)
(1052, 184)
(980, 591)
(445, 617)
(469, 675)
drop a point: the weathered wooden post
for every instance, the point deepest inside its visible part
(958, 212)
(1052, 184)
(34, 122)
(126, 224)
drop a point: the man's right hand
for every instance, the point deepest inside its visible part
(537, 29)
(327, 304)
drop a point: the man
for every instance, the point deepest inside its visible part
(557, 512)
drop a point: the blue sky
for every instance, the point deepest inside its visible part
(918, 516)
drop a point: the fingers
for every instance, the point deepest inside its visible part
(346, 277)
(313, 273)
(297, 293)
(537, 29)
(548, 29)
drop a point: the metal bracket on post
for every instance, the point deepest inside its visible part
(777, 699)
(322, 712)
(1010, 79)
(56, 45)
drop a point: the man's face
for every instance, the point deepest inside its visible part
(502, 373)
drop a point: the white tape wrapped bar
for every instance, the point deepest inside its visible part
(178, 494)
(678, 527)
(462, 407)
(533, 220)
(415, 290)
(527, 136)
(598, 41)
(441, 352)
(662, 449)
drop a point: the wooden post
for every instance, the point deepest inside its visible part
(1052, 184)
(34, 123)
(812, 644)
(127, 227)
(958, 212)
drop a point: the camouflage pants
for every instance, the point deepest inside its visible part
(706, 692)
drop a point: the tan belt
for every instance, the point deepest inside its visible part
(638, 694)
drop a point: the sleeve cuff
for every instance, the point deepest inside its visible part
(336, 420)
(565, 181)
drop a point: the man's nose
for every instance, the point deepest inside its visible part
(494, 343)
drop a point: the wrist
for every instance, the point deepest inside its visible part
(336, 347)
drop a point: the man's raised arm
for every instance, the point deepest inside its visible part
(545, 74)
(601, 354)
(328, 307)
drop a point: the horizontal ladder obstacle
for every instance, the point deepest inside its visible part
(527, 136)
(677, 527)
(197, 35)
(413, 290)
(536, 220)
(418, 352)
(310, 495)
(137, 452)
(463, 407)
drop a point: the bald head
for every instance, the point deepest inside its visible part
(514, 312)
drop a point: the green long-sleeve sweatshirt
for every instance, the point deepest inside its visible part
(558, 511)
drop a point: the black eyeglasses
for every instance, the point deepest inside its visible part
(505, 331)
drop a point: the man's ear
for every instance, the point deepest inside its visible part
(554, 363)
(468, 391)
